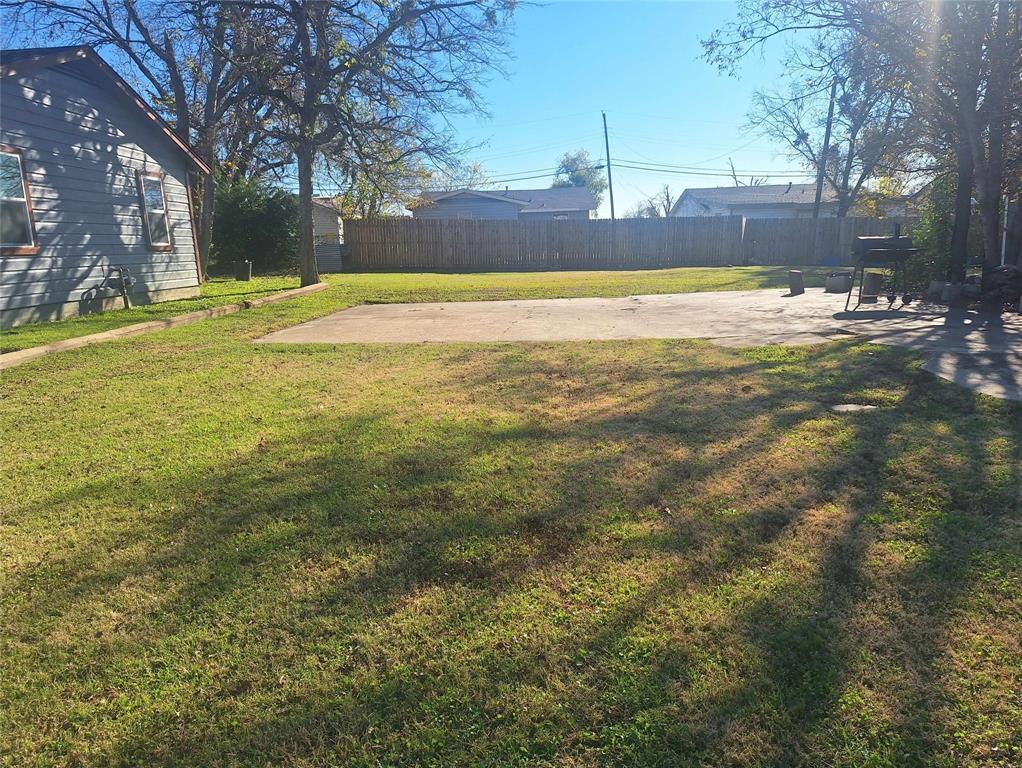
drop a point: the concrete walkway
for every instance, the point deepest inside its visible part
(980, 351)
(12, 359)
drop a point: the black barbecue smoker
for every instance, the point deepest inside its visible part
(887, 253)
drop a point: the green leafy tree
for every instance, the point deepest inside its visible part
(577, 169)
(255, 222)
(933, 234)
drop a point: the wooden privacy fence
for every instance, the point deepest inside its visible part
(794, 242)
(464, 245)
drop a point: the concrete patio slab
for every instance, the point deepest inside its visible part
(978, 350)
(997, 375)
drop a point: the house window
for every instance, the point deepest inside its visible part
(17, 230)
(154, 210)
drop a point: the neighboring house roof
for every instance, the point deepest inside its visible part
(435, 197)
(765, 194)
(23, 61)
(552, 200)
(327, 202)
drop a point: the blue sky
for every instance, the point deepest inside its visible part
(639, 61)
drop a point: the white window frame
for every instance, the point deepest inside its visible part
(32, 247)
(154, 245)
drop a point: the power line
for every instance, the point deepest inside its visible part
(702, 173)
(520, 178)
(523, 175)
(550, 145)
(675, 118)
(530, 170)
(726, 171)
(538, 120)
(707, 175)
(678, 138)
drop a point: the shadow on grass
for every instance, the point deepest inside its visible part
(654, 560)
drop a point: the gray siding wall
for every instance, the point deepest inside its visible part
(467, 207)
(802, 211)
(326, 230)
(325, 223)
(770, 212)
(689, 207)
(82, 144)
(330, 258)
(548, 215)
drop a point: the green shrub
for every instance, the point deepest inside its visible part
(256, 222)
(933, 233)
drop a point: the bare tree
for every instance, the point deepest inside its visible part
(186, 56)
(956, 63)
(854, 142)
(754, 181)
(457, 175)
(347, 72)
(656, 206)
(385, 183)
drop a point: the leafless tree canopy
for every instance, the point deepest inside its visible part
(347, 77)
(924, 84)
(656, 206)
(358, 90)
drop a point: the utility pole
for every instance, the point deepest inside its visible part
(610, 179)
(826, 149)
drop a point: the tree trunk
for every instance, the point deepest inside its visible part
(211, 117)
(1013, 247)
(306, 247)
(959, 254)
(988, 149)
(988, 197)
(206, 221)
(207, 151)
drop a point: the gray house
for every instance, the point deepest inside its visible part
(94, 190)
(767, 201)
(521, 204)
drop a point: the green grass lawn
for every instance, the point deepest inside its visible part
(643, 553)
(216, 292)
(360, 288)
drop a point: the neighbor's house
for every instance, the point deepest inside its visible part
(768, 201)
(521, 204)
(327, 234)
(91, 180)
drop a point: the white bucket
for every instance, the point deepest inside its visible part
(952, 293)
(936, 289)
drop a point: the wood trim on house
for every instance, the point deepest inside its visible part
(479, 193)
(191, 217)
(22, 250)
(66, 55)
(42, 61)
(140, 102)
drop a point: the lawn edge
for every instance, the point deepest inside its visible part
(17, 357)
